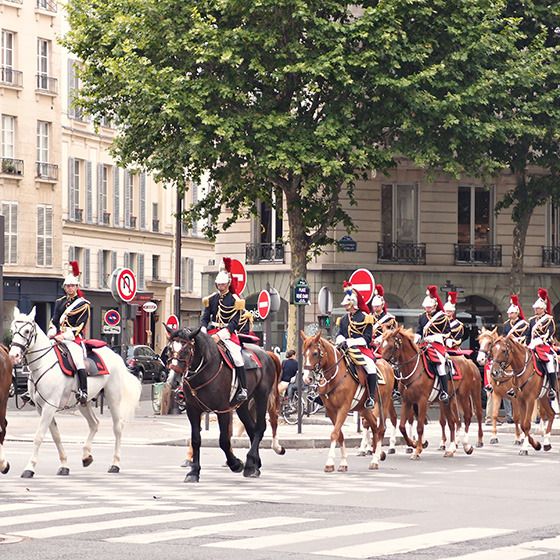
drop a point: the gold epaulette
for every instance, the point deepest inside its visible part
(369, 319)
(239, 304)
(248, 316)
(338, 321)
(206, 300)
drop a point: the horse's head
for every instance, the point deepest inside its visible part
(314, 358)
(182, 346)
(486, 339)
(501, 352)
(24, 333)
(392, 342)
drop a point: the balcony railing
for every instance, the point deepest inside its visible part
(401, 253)
(11, 77)
(155, 225)
(10, 166)
(48, 171)
(106, 218)
(47, 5)
(78, 214)
(478, 255)
(47, 84)
(551, 256)
(256, 253)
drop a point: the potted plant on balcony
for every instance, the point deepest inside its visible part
(9, 166)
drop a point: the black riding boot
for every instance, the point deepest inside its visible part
(552, 381)
(372, 385)
(444, 395)
(81, 394)
(242, 393)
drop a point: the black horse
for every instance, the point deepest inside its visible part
(207, 381)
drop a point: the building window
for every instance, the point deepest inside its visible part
(103, 194)
(7, 57)
(43, 133)
(8, 137)
(155, 217)
(105, 269)
(155, 267)
(187, 275)
(74, 187)
(44, 235)
(73, 86)
(42, 64)
(10, 213)
(399, 211)
(474, 216)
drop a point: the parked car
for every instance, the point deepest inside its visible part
(145, 363)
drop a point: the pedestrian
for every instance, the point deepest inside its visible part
(289, 373)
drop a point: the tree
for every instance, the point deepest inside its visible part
(288, 96)
(501, 112)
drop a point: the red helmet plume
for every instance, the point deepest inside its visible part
(75, 268)
(543, 294)
(349, 290)
(515, 306)
(433, 293)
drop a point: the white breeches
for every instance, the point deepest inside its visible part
(370, 365)
(441, 365)
(235, 351)
(77, 352)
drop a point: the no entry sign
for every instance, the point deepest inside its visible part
(240, 274)
(363, 282)
(263, 304)
(172, 322)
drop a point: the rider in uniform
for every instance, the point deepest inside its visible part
(356, 331)
(222, 313)
(516, 323)
(456, 327)
(433, 327)
(382, 320)
(542, 329)
(68, 325)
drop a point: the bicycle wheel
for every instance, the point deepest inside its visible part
(290, 409)
(312, 406)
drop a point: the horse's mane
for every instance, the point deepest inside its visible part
(205, 344)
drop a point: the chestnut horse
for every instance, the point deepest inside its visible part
(324, 365)
(501, 382)
(529, 386)
(5, 382)
(417, 387)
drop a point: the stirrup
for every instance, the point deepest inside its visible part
(444, 397)
(81, 397)
(511, 393)
(26, 398)
(242, 394)
(369, 403)
(551, 394)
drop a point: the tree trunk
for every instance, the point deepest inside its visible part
(518, 251)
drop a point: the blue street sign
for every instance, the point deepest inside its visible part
(301, 292)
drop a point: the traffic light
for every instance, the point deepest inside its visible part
(324, 321)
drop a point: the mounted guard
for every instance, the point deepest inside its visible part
(542, 330)
(433, 329)
(516, 323)
(222, 314)
(356, 332)
(456, 327)
(382, 320)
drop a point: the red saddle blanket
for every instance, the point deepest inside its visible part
(431, 369)
(95, 365)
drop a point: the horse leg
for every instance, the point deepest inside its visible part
(495, 411)
(253, 461)
(406, 412)
(4, 465)
(467, 415)
(47, 416)
(393, 428)
(451, 424)
(273, 419)
(546, 406)
(93, 423)
(224, 422)
(196, 439)
(63, 469)
(442, 424)
(515, 415)
(525, 412)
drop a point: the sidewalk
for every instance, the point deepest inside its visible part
(148, 428)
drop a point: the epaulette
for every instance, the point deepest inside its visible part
(248, 316)
(239, 303)
(368, 319)
(338, 321)
(206, 300)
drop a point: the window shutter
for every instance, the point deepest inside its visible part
(183, 274)
(127, 260)
(116, 197)
(142, 202)
(71, 189)
(194, 188)
(100, 208)
(126, 198)
(14, 236)
(71, 253)
(100, 269)
(190, 285)
(113, 261)
(87, 268)
(89, 193)
(40, 236)
(71, 88)
(141, 274)
(48, 236)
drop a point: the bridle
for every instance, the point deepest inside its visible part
(319, 373)
(396, 364)
(503, 364)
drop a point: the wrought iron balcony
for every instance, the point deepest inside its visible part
(551, 256)
(256, 253)
(48, 171)
(106, 218)
(155, 225)
(47, 84)
(47, 5)
(10, 166)
(11, 77)
(478, 255)
(401, 253)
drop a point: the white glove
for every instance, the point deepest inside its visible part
(340, 338)
(204, 330)
(449, 343)
(224, 334)
(51, 332)
(535, 343)
(417, 338)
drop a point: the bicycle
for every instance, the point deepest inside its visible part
(290, 402)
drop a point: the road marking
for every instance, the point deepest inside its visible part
(57, 515)
(502, 553)
(548, 543)
(79, 528)
(204, 530)
(270, 541)
(413, 543)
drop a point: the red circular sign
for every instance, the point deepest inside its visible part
(363, 282)
(112, 317)
(172, 322)
(263, 304)
(238, 272)
(126, 285)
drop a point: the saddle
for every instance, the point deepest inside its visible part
(250, 359)
(450, 367)
(539, 365)
(356, 366)
(95, 365)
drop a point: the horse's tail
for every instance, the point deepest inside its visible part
(132, 388)
(274, 396)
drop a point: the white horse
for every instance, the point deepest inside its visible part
(52, 390)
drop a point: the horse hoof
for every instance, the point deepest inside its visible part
(343, 468)
(425, 444)
(361, 454)
(5, 471)
(27, 474)
(517, 442)
(546, 447)
(237, 468)
(448, 454)
(523, 452)
(470, 450)
(391, 451)
(409, 449)
(382, 456)
(186, 463)
(480, 444)
(369, 452)
(373, 466)
(414, 457)
(114, 469)
(251, 472)
(282, 451)
(63, 471)
(537, 447)
(191, 478)
(493, 440)
(441, 448)
(329, 468)
(87, 461)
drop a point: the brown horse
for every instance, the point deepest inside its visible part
(5, 382)
(324, 364)
(417, 387)
(528, 385)
(467, 392)
(501, 382)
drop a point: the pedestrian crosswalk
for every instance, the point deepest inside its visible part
(266, 518)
